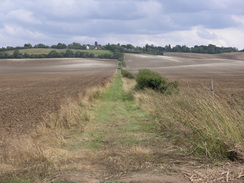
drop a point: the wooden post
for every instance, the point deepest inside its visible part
(212, 87)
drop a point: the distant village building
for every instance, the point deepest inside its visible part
(96, 46)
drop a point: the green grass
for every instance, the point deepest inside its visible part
(116, 118)
(38, 51)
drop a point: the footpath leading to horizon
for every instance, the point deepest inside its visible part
(121, 144)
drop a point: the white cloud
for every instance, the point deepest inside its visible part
(149, 8)
(15, 31)
(222, 37)
(67, 8)
(138, 22)
(22, 16)
(238, 19)
(12, 34)
(206, 34)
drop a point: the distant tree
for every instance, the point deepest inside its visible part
(211, 48)
(4, 55)
(153, 50)
(17, 54)
(77, 54)
(185, 49)
(40, 45)
(114, 48)
(69, 53)
(128, 46)
(3, 49)
(96, 44)
(26, 55)
(27, 46)
(146, 48)
(74, 46)
(61, 46)
(106, 56)
(92, 55)
(10, 48)
(53, 54)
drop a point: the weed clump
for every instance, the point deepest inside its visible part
(127, 74)
(121, 64)
(153, 80)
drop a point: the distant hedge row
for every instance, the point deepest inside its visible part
(54, 54)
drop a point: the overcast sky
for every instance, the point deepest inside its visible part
(138, 22)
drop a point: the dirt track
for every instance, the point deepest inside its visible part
(227, 70)
(31, 89)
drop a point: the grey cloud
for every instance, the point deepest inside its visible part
(58, 20)
(205, 34)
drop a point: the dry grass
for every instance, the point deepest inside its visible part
(210, 125)
(129, 84)
(226, 172)
(33, 156)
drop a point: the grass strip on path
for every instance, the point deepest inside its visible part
(116, 121)
(120, 139)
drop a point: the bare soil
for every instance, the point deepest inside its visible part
(31, 89)
(227, 70)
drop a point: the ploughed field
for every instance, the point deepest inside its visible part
(227, 70)
(31, 89)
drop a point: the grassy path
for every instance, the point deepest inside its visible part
(120, 140)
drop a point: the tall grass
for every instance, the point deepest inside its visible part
(127, 74)
(207, 125)
(33, 156)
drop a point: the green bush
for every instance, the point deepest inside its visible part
(122, 64)
(127, 74)
(153, 80)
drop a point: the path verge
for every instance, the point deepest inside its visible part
(121, 143)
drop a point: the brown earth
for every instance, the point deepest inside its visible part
(31, 89)
(227, 70)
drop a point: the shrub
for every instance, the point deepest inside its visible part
(127, 74)
(121, 64)
(153, 80)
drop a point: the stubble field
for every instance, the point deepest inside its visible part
(227, 70)
(32, 89)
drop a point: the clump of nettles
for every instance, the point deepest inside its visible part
(127, 74)
(153, 80)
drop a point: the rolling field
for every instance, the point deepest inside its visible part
(117, 134)
(31, 89)
(227, 70)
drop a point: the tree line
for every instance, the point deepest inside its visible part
(40, 45)
(159, 50)
(54, 54)
(116, 49)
